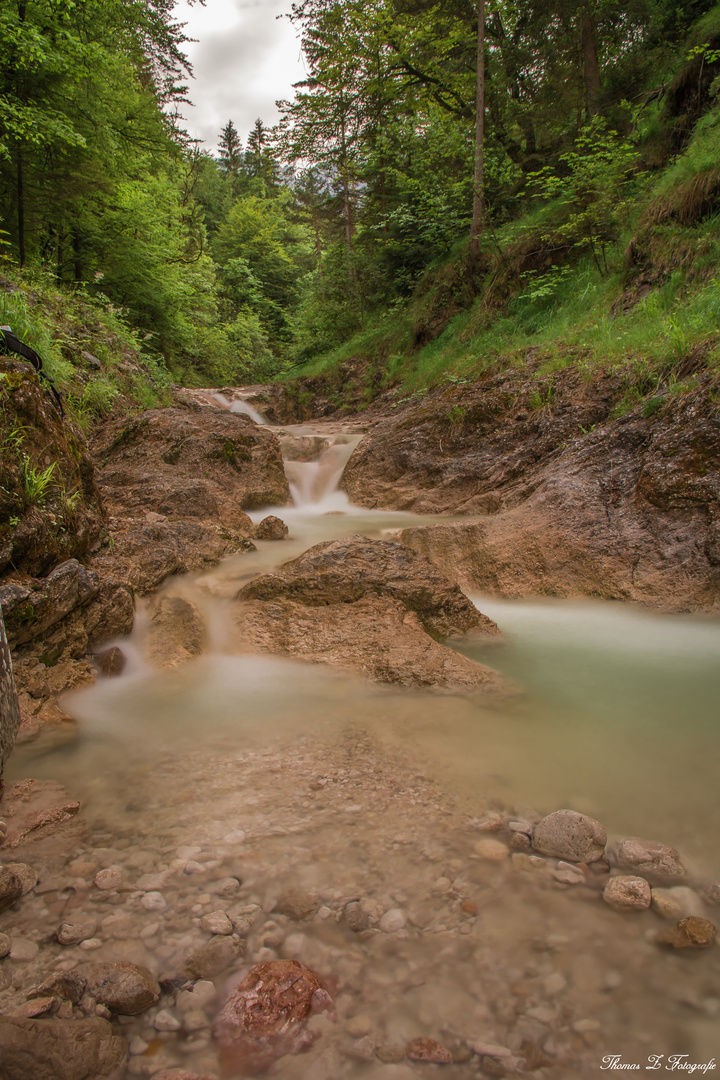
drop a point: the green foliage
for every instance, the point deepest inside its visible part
(36, 482)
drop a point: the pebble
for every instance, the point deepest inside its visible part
(295, 903)
(165, 1021)
(23, 949)
(10, 888)
(153, 901)
(390, 1054)
(488, 1049)
(74, 933)
(710, 892)
(554, 984)
(582, 1027)
(648, 857)
(138, 1046)
(124, 988)
(218, 954)
(675, 903)
(4, 945)
(490, 823)
(111, 878)
(689, 933)
(227, 887)
(355, 917)
(324, 913)
(91, 943)
(194, 1020)
(392, 921)
(627, 893)
(216, 922)
(428, 1050)
(192, 866)
(569, 835)
(359, 1025)
(26, 875)
(491, 850)
(362, 1050)
(544, 1013)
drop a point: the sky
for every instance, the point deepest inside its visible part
(244, 59)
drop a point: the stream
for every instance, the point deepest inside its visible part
(291, 776)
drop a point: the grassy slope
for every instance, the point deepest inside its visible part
(654, 315)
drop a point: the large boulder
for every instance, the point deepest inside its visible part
(176, 632)
(52, 1049)
(210, 465)
(356, 568)
(30, 610)
(371, 606)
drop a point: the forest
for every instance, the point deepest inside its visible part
(588, 179)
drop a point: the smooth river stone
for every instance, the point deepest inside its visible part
(648, 857)
(569, 835)
(690, 933)
(627, 893)
(676, 903)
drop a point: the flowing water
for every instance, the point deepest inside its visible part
(284, 774)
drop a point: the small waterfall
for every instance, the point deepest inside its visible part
(314, 484)
(239, 405)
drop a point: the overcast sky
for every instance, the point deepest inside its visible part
(245, 59)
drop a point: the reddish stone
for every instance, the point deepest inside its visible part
(428, 1050)
(266, 1016)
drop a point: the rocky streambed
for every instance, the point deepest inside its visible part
(265, 856)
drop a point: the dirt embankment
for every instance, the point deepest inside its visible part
(565, 497)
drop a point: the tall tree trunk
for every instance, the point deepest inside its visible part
(9, 710)
(21, 208)
(478, 218)
(590, 63)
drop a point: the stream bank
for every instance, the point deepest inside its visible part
(295, 812)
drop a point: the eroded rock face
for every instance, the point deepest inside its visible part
(51, 1049)
(368, 606)
(39, 815)
(146, 550)
(574, 502)
(207, 466)
(270, 528)
(29, 610)
(572, 836)
(266, 1016)
(352, 569)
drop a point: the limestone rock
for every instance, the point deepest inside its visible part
(296, 903)
(51, 1049)
(110, 662)
(266, 1016)
(689, 933)
(124, 988)
(657, 861)
(626, 893)
(675, 903)
(210, 467)
(270, 528)
(566, 834)
(29, 611)
(10, 888)
(355, 568)
(28, 877)
(216, 956)
(74, 933)
(492, 850)
(428, 1050)
(176, 632)
(5, 946)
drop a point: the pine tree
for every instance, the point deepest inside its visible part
(231, 155)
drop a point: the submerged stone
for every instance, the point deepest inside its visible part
(566, 834)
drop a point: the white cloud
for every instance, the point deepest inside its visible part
(244, 59)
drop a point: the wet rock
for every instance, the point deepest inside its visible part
(359, 1026)
(362, 1050)
(165, 1021)
(29, 611)
(296, 903)
(124, 988)
(35, 1007)
(266, 1016)
(216, 922)
(153, 901)
(390, 1054)
(649, 857)
(227, 887)
(4, 945)
(627, 893)
(491, 850)
(202, 994)
(392, 921)
(67, 986)
(110, 662)
(689, 933)
(566, 834)
(355, 918)
(675, 903)
(428, 1050)
(377, 637)
(23, 949)
(26, 875)
(10, 888)
(111, 877)
(38, 812)
(145, 552)
(216, 956)
(176, 632)
(209, 466)
(270, 528)
(74, 933)
(345, 571)
(53, 1049)
(710, 892)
